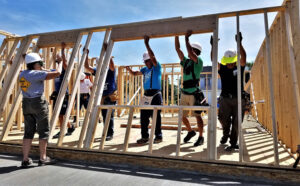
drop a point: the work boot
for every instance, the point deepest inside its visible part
(189, 136)
(158, 140)
(224, 140)
(70, 130)
(199, 141)
(26, 164)
(109, 137)
(142, 141)
(56, 135)
(232, 147)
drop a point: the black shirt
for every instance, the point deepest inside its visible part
(229, 80)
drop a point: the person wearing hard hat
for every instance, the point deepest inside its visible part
(228, 102)
(85, 86)
(58, 82)
(152, 93)
(109, 96)
(191, 95)
(35, 107)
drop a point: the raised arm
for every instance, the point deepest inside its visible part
(111, 64)
(189, 48)
(54, 74)
(242, 51)
(150, 52)
(86, 62)
(63, 46)
(211, 51)
(134, 73)
(177, 47)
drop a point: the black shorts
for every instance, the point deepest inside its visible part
(64, 105)
(36, 117)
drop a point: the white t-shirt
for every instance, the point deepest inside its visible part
(85, 86)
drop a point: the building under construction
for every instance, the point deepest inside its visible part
(269, 135)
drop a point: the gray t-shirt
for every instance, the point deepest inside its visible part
(32, 83)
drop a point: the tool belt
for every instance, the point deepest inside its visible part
(113, 97)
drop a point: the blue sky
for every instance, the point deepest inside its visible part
(33, 16)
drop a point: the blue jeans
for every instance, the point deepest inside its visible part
(107, 101)
(146, 114)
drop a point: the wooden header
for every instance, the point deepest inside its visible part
(55, 39)
(201, 24)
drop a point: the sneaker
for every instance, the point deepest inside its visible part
(47, 161)
(27, 163)
(231, 148)
(70, 131)
(109, 138)
(158, 140)
(142, 141)
(224, 140)
(56, 135)
(199, 141)
(189, 136)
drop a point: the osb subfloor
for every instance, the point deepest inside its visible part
(258, 143)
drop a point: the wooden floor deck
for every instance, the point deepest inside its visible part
(258, 143)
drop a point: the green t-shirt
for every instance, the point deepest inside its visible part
(198, 67)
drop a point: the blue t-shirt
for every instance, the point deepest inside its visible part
(110, 82)
(32, 83)
(153, 82)
(58, 81)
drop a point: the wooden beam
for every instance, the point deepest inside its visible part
(74, 91)
(9, 121)
(55, 39)
(128, 129)
(239, 87)
(179, 132)
(203, 24)
(212, 126)
(63, 88)
(94, 89)
(98, 96)
(13, 73)
(154, 121)
(272, 101)
(105, 128)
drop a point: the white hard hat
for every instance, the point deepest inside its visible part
(230, 53)
(146, 56)
(197, 46)
(32, 57)
(82, 76)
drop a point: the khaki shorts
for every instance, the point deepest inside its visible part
(188, 100)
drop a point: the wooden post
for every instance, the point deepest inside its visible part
(211, 144)
(172, 90)
(74, 92)
(128, 129)
(272, 100)
(98, 96)
(154, 119)
(105, 128)
(64, 87)
(179, 132)
(8, 58)
(91, 100)
(13, 73)
(239, 87)
(9, 121)
(293, 68)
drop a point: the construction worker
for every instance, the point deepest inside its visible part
(35, 107)
(58, 82)
(228, 102)
(152, 93)
(85, 86)
(109, 96)
(191, 93)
